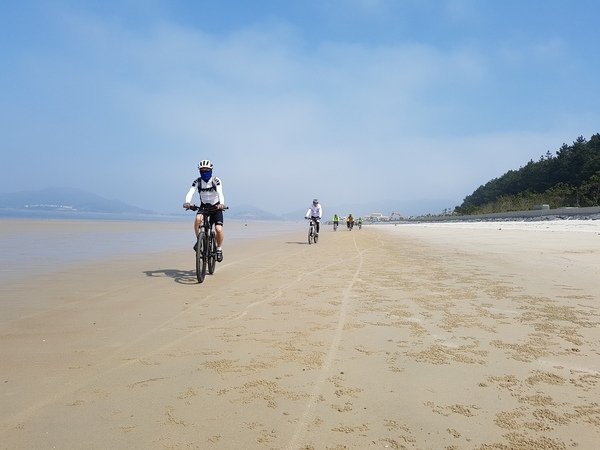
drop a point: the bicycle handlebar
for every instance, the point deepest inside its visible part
(205, 208)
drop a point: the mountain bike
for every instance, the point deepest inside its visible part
(312, 232)
(335, 225)
(206, 245)
(359, 225)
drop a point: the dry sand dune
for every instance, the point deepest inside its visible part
(416, 337)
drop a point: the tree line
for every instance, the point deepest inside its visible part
(571, 177)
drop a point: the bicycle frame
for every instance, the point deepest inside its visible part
(206, 246)
(312, 231)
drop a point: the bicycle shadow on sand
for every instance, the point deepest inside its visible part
(179, 276)
(297, 242)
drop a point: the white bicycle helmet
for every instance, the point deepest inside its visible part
(205, 164)
(315, 201)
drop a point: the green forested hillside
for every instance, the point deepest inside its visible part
(571, 177)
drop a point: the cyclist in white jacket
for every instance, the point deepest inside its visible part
(315, 212)
(210, 190)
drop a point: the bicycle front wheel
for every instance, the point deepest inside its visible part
(310, 236)
(201, 257)
(212, 253)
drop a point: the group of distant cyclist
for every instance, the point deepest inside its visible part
(349, 222)
(315, 214)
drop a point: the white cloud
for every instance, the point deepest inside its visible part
(282, 117)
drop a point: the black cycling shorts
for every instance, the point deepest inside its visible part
(216, 217)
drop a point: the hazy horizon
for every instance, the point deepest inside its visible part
(60, 199)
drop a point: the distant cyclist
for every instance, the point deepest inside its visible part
(350, 221)
(315, 213)
(359, 222)
(210, 190)
(336, 221)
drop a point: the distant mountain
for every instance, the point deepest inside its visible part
(66, 199)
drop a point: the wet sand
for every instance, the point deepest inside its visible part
(416, 337)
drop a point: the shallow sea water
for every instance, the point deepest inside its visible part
(28, 246)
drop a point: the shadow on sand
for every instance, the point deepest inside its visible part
(179, 276)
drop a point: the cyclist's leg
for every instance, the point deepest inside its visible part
(217, 219)
(197, 224)
(318, 225)
(220, 235)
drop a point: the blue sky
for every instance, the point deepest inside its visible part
(350, 101)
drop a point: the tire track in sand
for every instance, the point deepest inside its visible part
(309, 410)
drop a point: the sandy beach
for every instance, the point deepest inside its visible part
(426, 336)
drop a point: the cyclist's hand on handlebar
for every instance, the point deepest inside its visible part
(221, 207)
(186, 206)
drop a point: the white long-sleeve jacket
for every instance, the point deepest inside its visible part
(211, 191)
(314, 211)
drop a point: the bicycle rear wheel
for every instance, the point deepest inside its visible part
(201, 257)
(212, 253)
